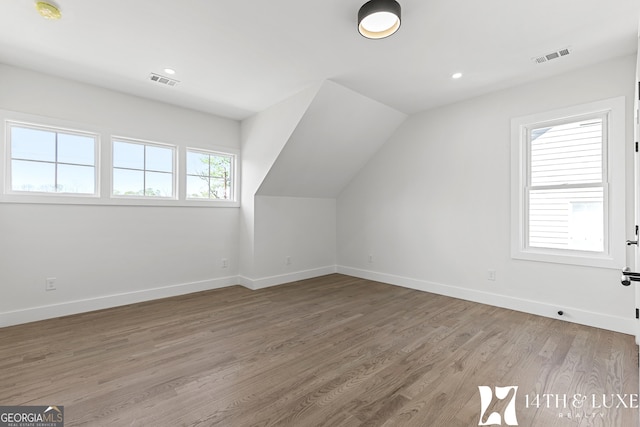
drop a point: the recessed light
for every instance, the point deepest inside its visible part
(170, 71)
(456, 75)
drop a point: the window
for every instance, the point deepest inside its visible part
(142, 169)
(566, 181)
(50, 160)
(56, 161)
(210, 175)
(568, 185)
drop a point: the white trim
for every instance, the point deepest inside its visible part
(34, 314)
(104, 164)
(152, 202)
(20, 124)
(91, 304)
(598, 320)
(614, 255)
(266, 282)
(571, 314)
(145, 143)
(234, 155)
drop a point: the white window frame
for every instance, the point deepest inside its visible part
(234, 176)
(613, 255)
(48, 195)
(145, 143)
(103, 168)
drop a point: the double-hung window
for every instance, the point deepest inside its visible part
(568, 185)
(50, 160)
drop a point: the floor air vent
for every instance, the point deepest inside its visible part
(162, 79)
(553, 55)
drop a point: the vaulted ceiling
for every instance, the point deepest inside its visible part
(236, 58)
(338, 133)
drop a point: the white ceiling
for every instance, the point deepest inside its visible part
(235, 58)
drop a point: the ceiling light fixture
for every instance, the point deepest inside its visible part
(170, 71)
(48, 10)
(378, 19)
(456, 75)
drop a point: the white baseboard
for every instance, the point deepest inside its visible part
(265, 282)
(571, 314)
(81, 306)
(34, 314)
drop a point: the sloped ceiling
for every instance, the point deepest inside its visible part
(237, 58)
(337, 135)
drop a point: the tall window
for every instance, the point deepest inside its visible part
(50, 160)
(210, 175)
(142, 169)
(568, 185)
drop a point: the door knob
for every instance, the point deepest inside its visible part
(629, 276)
(632, 242)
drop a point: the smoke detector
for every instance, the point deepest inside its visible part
(163, 80)
(48, 10)
(551, 56)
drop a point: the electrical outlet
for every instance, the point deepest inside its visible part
(370, 259)
(287, 260)
(224, 263)
(491, 275)
(50, 284)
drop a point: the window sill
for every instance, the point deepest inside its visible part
(572, 258)
(113, 201)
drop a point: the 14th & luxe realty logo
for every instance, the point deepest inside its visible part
(495, 418)
(575, 406)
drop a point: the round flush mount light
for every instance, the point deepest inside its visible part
(170, 71)
(48, 10)
(456, 75)
(378, 19)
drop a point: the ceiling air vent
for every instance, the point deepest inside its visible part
(162, 79)
(550, 56)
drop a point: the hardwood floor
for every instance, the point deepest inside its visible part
(332, 351)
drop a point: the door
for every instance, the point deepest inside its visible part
(636, 180)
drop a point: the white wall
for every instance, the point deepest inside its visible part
(263, 136)
(297, 156)
(433, 206)
(108, 255)
(273, 228)
(301, 228)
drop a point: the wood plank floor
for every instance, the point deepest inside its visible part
(332, 351)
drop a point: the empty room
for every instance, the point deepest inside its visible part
(340, 213)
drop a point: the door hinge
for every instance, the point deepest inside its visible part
(636, 146)
(637, 313)
(636, 230)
